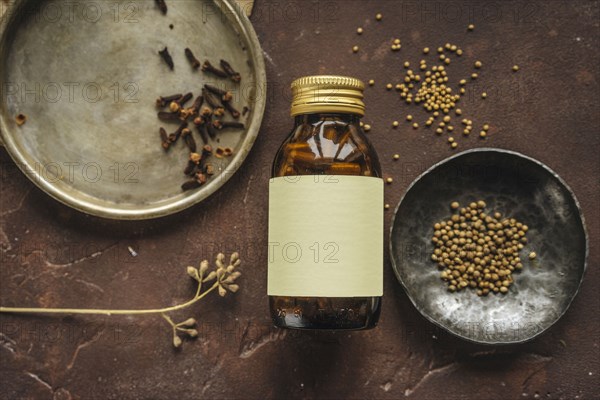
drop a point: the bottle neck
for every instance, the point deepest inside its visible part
(312, 119)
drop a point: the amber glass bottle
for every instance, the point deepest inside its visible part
(326, 213)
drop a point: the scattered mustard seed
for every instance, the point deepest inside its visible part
(371, 82)
(389, 181)
(483, 95)
(471, 27)
(396, 156)
(395, 124)
(515, 68)
(478, 64)
(409, 117)
(474, 76)
(387, 206)
(389, 86)
(426, 50)
(355, 49)
(406, 64)
(378, 17)
(416, 125)
(367, 127)
(532, 255)
(482, 134)
(486, 127)
(359, 31)
(454, 145)
(454, 205)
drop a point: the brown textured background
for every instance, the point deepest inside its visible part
(53, 256)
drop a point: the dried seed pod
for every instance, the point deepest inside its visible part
(208, 67)
(192, 59)
(167, 58)
(235, 76)
(164, 101)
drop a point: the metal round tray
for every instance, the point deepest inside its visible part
(87, 74)
(519, 187)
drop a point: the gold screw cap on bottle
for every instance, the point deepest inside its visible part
(327, 94)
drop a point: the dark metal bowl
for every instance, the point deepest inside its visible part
(519, 187)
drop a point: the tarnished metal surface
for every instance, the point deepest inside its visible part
(87, 74)
(517, 187)
(53, 256)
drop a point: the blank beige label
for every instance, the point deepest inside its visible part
(325, 236)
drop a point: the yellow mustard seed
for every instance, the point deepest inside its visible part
(416, 125)
(454, 145)
(395, 124)
(367, 127)
(371, 82)
(486, 127)
(355, 49)
(359, 31)
(396, 156)
(478, 64)
(471, 27)
(459, 52)
(426, 50)
(409, 117)
(389, 180)
(482, 134)
(389, 86)
(515, 68)
(483, 95)
(474, 76)
(387, 206)
(378, 17)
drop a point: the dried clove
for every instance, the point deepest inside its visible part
(168, 116)
(208, 67)
(212, 101)
(218, 124)
(195, 158)
(231, 109)
(190, 169)
(162, 102)
(184, 99)
(209, 169)
(201, 178)
(167, 58)
(235, 76)
(211, 130)
(198, 104)
(192, 59)
(162, 6)
(173, 137)
(202, 131)
(164, 138)
(190, 185)
(189, 140)
(206, 112)
(225, 95)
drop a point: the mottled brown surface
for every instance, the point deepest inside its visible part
(53, 256)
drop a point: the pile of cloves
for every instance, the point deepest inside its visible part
(206, 115)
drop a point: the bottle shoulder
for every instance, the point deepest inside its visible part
(327, 147)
